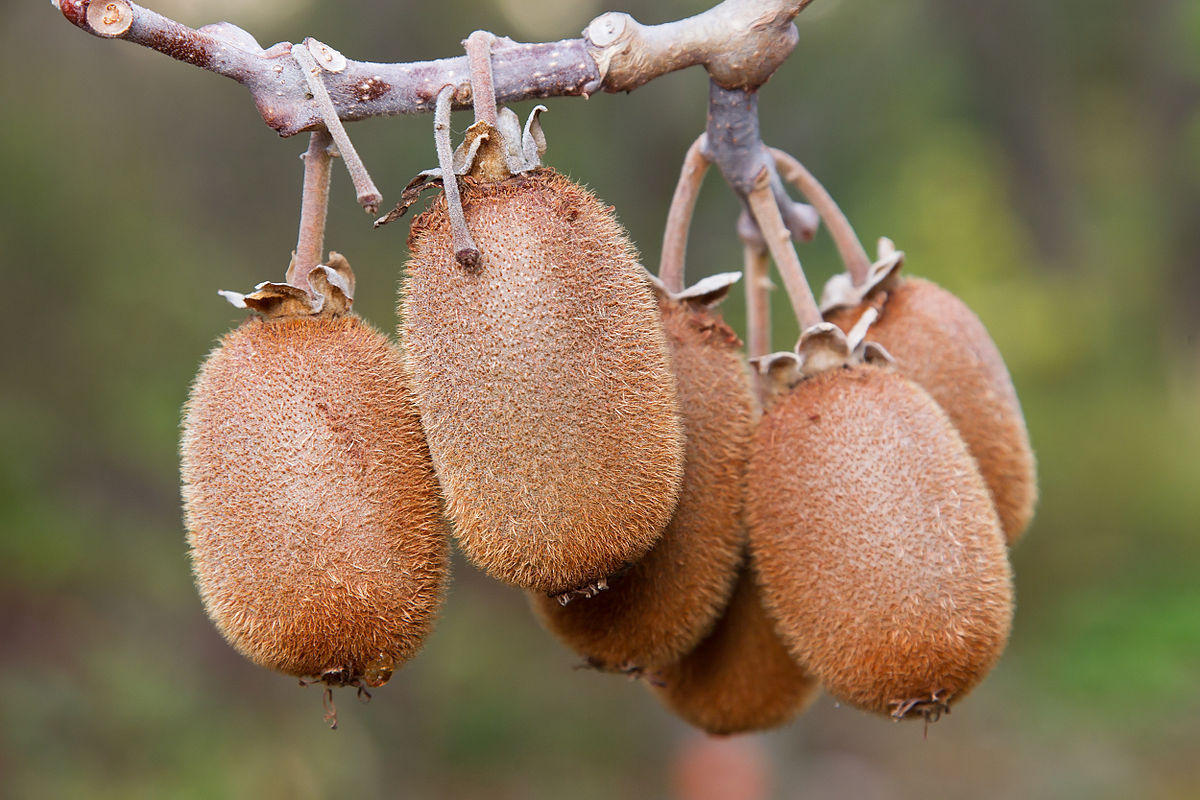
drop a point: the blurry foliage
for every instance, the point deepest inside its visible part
(135, 187)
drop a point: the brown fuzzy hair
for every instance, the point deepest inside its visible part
(877, 544)
(311, 504)
(660, 608)
(740, 678)
(544, 384)
(938, 342)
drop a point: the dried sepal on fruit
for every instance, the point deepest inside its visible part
(311, 505)
(740, 678)
(940, 343)
(542, 375)
(661, 607)
(875, 539)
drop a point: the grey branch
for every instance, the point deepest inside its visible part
(739, 42)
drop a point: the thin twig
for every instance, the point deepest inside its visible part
(465, 251)
(368, 196)
(779, 241)
(854, 257)
(483, 86)
(314, 203)
(758, 288)
(679, 219)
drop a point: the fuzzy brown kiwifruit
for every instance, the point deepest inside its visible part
(664, 604)
(876, 542)
(311, 504)
(740, 678)
(542, 377)
(940, 343)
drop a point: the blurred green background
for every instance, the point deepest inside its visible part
(1041, 160)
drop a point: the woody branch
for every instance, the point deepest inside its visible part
(739, 42)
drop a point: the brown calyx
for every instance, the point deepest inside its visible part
(488, 160)
(884, 275)
(331, 292)
(699, 300)
(821, 348)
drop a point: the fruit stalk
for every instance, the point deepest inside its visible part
(854, 257)
(465, 251)
(368, 196)
(779, 242)
(735, 145)
(314, 203)
(758, 298)
(679, 218)
(483, 84)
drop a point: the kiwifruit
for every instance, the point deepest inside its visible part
(541, 372)
(311, 505)
(741, 677)
(876, 542)
(940, 343)
(659, 609)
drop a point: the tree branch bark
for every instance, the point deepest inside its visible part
(740, 42)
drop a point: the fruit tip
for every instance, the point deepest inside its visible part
(587, 590)
(930, 708)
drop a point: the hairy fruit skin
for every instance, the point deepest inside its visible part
(311, 504)
(659, 609)
(938, 342)
(740, 678)
(876, 542)
(543, 381)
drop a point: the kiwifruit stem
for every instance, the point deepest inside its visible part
(483, 88)
(465, 251)
(758, 295)
(854, 257)
(368, 196)
(779, 241)
(679, 218)
(314, 203)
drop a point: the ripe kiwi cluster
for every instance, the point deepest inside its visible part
(738, 533)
